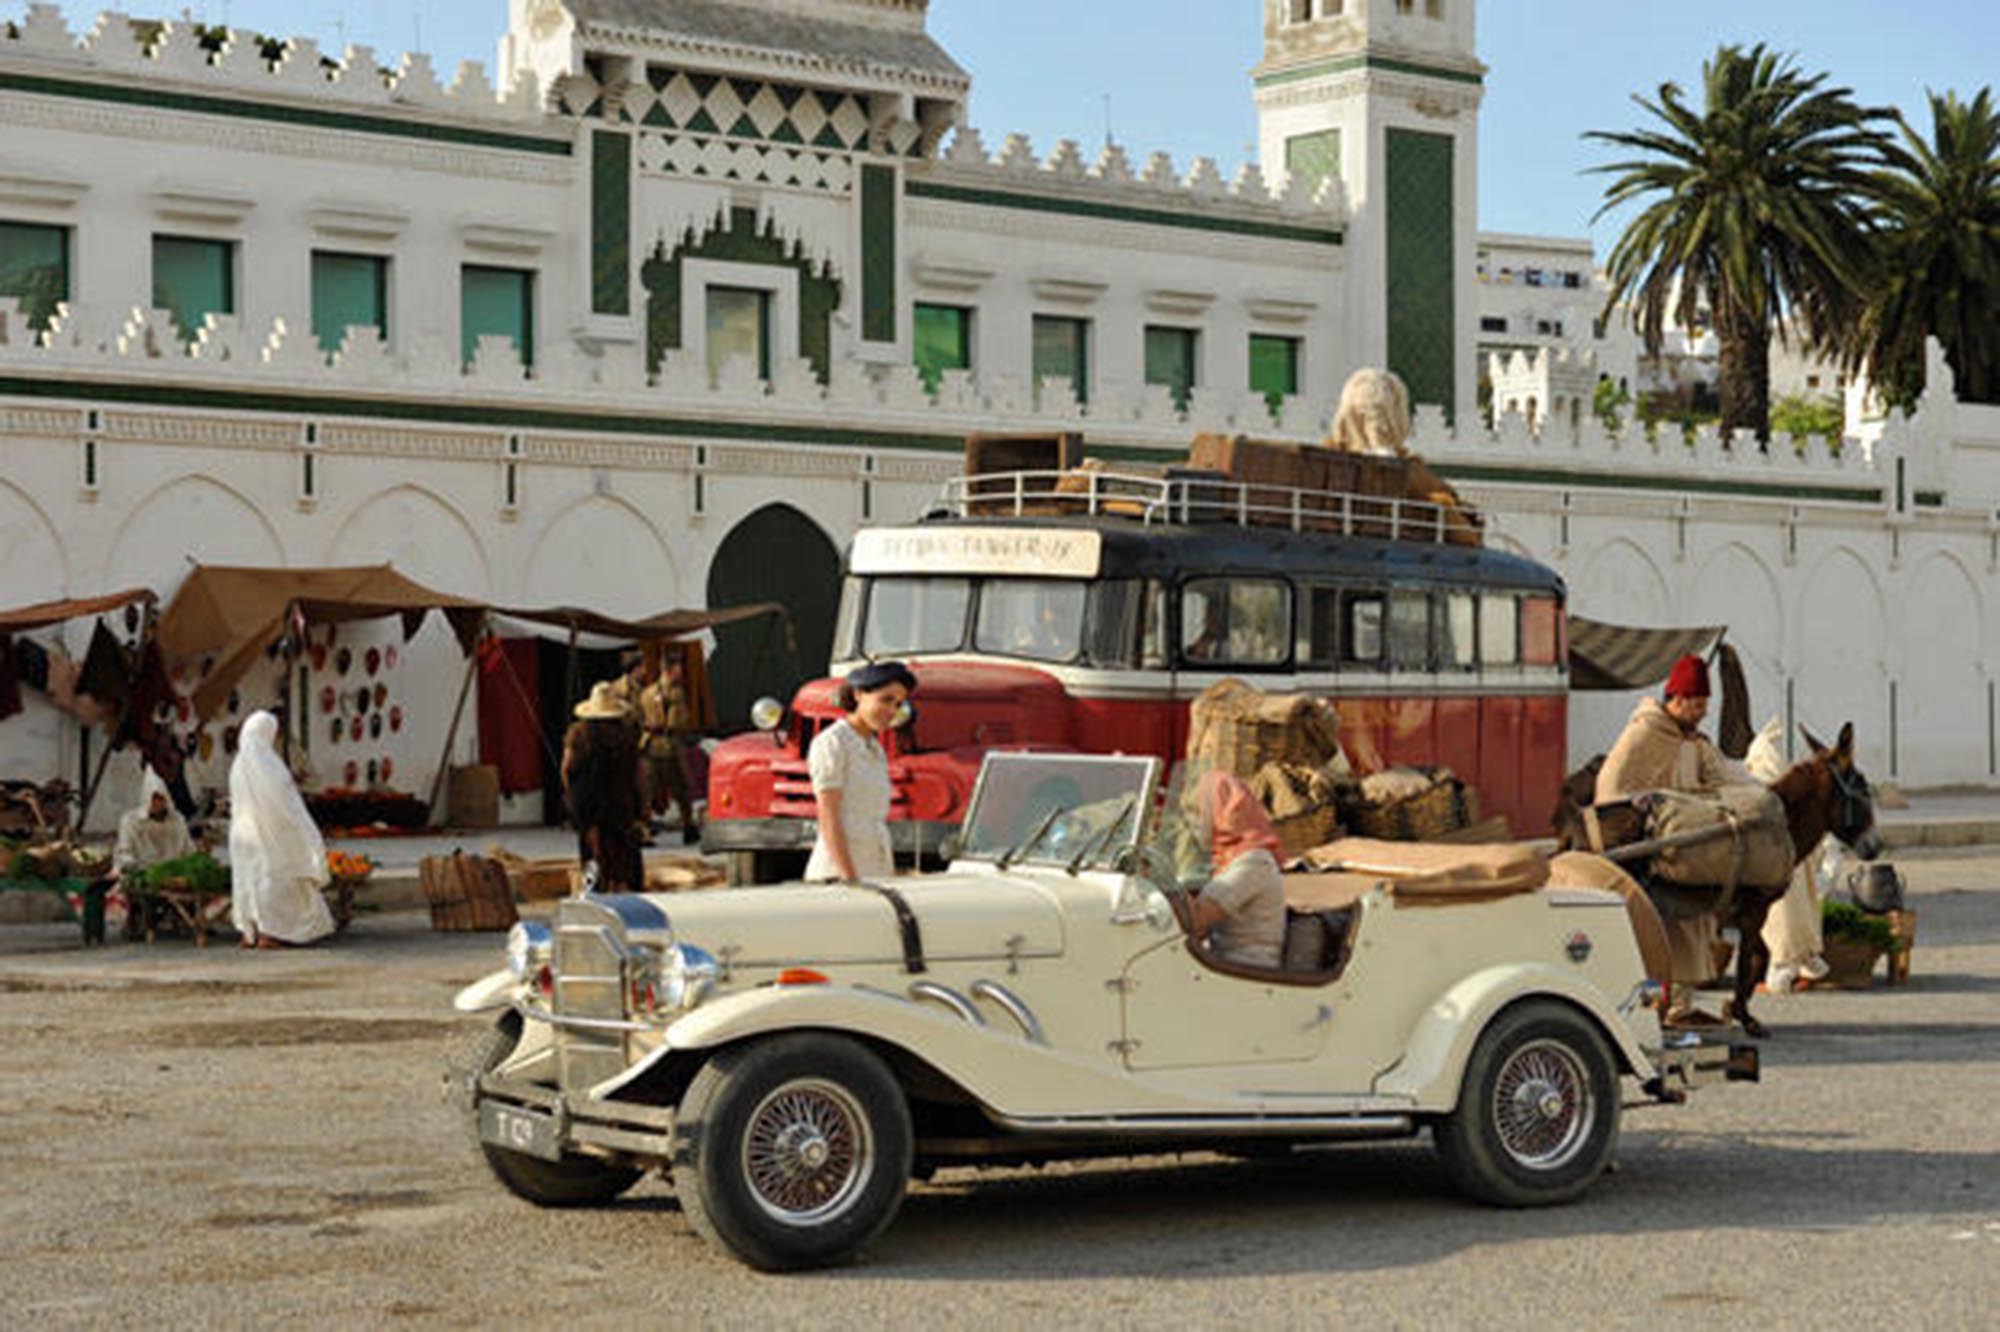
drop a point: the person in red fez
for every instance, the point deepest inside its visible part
(1663, 749)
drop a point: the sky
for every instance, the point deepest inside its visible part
(1176, 72)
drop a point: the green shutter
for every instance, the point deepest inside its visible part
(878, 254)
(1170, 360)
(742, 243)
(348, 290)
(1274, 367)
(34, 269)
(193, 279)
(1313, 158)
(1062, 347)
(495, 301)
(610, 223)
(941, 338)
(1421, 267)
(739, 324)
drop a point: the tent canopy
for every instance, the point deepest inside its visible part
(1620, 657)
(666, 624)
(235, 613)
(45, 613)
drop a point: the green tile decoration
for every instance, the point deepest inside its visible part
(610, 223)
(1313, 158)
(878, 253)
(710, 105)
(742, 243)
(34, 268)
(348, 290)
(940, 340)
(1420, 263)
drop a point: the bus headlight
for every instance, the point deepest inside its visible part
(529, 946)
(687, 976)
(766, 713)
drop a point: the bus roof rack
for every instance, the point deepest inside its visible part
(1209, 499)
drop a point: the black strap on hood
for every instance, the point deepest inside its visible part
(906, 923)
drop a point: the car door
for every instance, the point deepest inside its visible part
(1177, 1013)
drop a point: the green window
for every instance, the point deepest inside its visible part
(34, 268)
(1170, 360)
(1062, 347)
(1274, 367)
(942, 341)
(348, 290)
(193, 279)
(739, 324)
(1313, 158)
(495, 302)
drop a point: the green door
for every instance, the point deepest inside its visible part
(776, 554)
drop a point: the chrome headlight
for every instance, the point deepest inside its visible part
(688, 975)
(530, 945)
(766, 713)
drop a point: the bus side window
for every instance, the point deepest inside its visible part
(1499, 631)
(1236, 621)
(1363, 631)
(1113, 634)
(1540, 645)
(1319, 627)
(1409, 630)
(1457, 647)
(1153, 632)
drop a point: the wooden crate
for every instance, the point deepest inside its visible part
(1270, 470)
(1904, 922)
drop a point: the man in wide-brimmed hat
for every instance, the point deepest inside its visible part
(1663, 749)
(600, 771)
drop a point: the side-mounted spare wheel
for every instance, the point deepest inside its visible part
(793, 1151)
(574, 1181)
(1537, 1115)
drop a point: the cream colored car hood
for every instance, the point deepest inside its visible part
(960, 917)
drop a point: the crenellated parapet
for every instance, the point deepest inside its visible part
(181, 56)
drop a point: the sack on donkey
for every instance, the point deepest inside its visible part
(1751, 845)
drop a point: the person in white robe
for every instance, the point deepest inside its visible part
(1792, 930)
(277, 859)
(151, 834)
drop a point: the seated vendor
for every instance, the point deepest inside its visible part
(1240, 911)
(152, 834)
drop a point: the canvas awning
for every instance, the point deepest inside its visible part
(235, 613)
(45, 613)
(1620, 657)
(666, 624)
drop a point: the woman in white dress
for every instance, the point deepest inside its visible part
(277, 861)
(850, 777)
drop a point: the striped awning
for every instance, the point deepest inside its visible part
(1620, 657)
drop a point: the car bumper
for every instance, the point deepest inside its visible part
(539, 1121)
(1706, 1064)
(724, 835)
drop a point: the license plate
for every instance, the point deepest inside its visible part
(529, 1132)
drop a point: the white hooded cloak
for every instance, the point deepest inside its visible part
(1792, 930)
(144, 841)
(277, 860)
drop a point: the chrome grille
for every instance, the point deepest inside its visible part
(589, 983)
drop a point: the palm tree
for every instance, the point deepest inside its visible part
(1940, 219)
(1756, 206)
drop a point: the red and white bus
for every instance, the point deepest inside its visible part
(1040, 617)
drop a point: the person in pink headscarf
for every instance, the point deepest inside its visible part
(1240, 911)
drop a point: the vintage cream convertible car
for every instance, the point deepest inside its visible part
(792, 1056)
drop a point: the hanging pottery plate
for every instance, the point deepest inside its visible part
(388, 767)
(319, 656)
(390, 657)
(354, 728)
(207, 746)
(381, 694)
(328, 699)
(337, 729)
(372, 770)
(375, 727)
(235, 702)
(374, 660)
(191, 744)
(342, 660)
(229, 739)
(396, 717)
(362, 698)
(351, 772)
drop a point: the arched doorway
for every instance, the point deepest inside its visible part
(776, 554)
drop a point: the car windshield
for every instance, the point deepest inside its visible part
(1059, 808)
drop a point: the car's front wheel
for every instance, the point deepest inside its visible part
(793, 1152)
(574, 1181)
(1537, 1115)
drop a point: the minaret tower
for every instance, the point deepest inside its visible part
(1383, 95)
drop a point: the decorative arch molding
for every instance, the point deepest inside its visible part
(353, 544)
(1948, 560)
(595, 552)
(1607, 587)
(191, 535)
(741, 236)
(17, 542)
(1846, 556)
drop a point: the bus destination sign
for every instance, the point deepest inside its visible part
(977, 550)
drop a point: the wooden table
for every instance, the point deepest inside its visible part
(174, 908)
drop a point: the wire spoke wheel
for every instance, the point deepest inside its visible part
(1542, 1105)
(808, 1152)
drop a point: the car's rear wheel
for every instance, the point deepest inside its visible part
(793, 1152)
(574, 1181)
(1537, 1116)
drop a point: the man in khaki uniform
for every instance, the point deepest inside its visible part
(1662, 748)
(666, 723)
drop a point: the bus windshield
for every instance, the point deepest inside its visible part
(1037, 618)
(907, 615)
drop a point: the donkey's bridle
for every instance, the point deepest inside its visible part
(1856, 803)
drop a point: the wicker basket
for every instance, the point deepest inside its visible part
(1850, 962)
(467, 893)
(1444, 807)
(1302, 832)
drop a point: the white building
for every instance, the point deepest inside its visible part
(662, 312)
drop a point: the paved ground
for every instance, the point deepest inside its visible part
(229, 1139)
